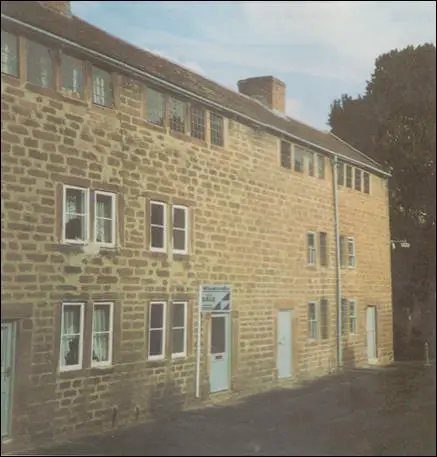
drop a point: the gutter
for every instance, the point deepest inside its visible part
(338, 264)
(205, 101)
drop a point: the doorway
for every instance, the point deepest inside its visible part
(284, 353)
(220, 353)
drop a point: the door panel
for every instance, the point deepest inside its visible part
(284, 344)
(371, 334)
(6, 376)
(220, 353)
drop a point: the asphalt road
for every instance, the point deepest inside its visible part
(381, 412)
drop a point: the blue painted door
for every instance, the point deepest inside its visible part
(284, 345)
(6, 376)
(220, 353)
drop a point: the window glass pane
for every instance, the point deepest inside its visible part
(218, 335)
(71, 319)
(39, 64)
(104, 205)
(102, 87)
(70, 350)
(324, 318)
(72, 76)
(179, 217)
(156, 316)
(9, 53)
(177, 115)
(340, 177)
(198, 123)
(157, 237)
(310, 162)
(178, 343)
(104, 231)
(75, 201)
(157, 214)
(101, 347)
(155, 107)
(349, 176)
(323, 249)
(178, 314)
(298, 159)
(320, 167)
(217, 129)
(311, 311)
(101, 318)
(366, 177)
(285, 155)
(179, 240)
(75, 227)
(155, 345)
(358, 179)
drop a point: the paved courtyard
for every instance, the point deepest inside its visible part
(379, 412)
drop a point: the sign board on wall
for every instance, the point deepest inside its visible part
(215, 299)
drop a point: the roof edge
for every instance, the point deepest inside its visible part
(131, 69)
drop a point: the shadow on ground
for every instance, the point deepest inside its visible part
(384, 411)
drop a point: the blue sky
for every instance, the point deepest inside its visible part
(319, 49)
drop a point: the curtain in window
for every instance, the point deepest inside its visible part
(101, 236)
(71, 335)
(101, 334)
(99, 90)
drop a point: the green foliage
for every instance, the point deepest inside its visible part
(394, 122)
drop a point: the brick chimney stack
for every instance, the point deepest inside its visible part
(63, 8)
(267, 89)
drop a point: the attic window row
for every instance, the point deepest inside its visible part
(184, 117)
(302, 160)
(353, 178)
(51, 69)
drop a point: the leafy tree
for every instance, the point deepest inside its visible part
(394, 122)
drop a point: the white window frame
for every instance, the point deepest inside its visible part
(314, 322)
(6, 56)
(78, 366)
(178, 355)
(86, 214)
(108, 363)
(164, 226)
(351, 242)
(353, 317)
(114, 218)
(312, 251)
(149, 330)
(180, 251)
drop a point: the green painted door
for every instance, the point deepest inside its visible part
(7, 349)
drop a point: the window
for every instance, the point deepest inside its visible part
(351, 252)
(340, 175)
(75, 214)
(155, 106)
(177, 115)
(311, 237)
(358, 179)
(39, 64)
(344, 316)
(72, 76)
(298, 159)
(178, 331)
(105, 218)
(320, 167)
(102, 334)
(102, 87)
(309, 157)
(156, 330)
(324, 319)
(197, 123)
(158, 226)
(180, 229)
(312, 320)
(349, 176)
(323, 249)
(352, 317)
(217, 130)
(285, 154)
(366, 179)
(71, 336)
(9, 54)
(342, 251)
